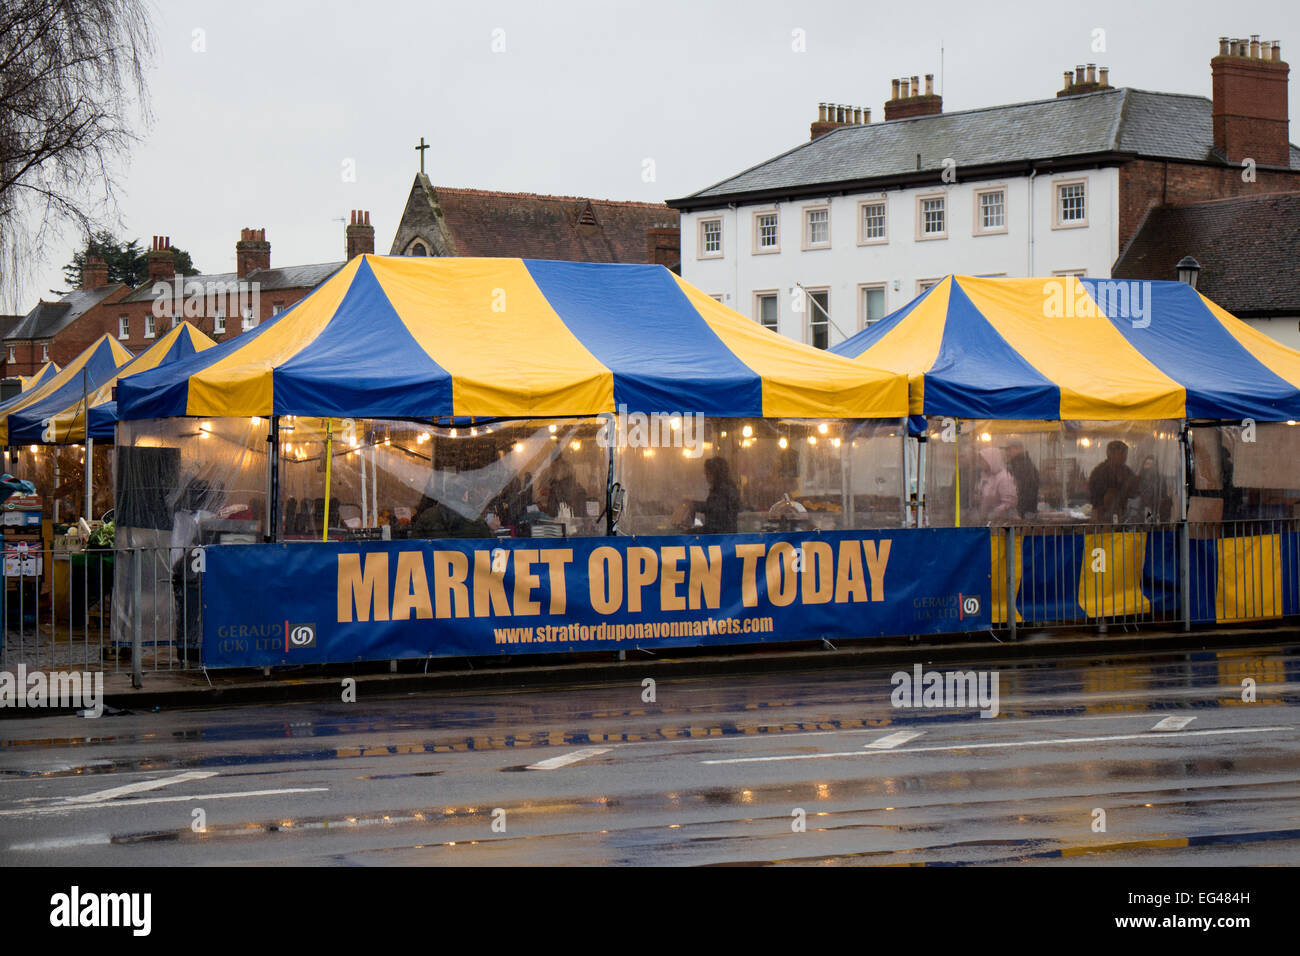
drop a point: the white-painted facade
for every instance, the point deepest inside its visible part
(1034, 238)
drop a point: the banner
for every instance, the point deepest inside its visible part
(335, 602)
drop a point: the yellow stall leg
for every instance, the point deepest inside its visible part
(998, 545)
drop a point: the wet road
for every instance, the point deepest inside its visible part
(1161, 750)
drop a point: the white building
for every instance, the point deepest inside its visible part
(866, 216)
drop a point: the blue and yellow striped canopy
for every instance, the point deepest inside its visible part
(1064, 348)
(99, 361)
(39, 377)
(398, 337)
(55, 420)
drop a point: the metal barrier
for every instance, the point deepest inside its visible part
(110, 611)
(1177, 574)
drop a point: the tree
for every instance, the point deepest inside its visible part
(127, 262)
(71, 73)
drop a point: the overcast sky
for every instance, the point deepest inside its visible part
(257, 114)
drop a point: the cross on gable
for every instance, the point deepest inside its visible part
(420, 149)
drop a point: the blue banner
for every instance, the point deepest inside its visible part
(335, 602)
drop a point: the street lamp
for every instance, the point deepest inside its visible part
(1188, 270)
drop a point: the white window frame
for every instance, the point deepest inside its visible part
(923, 284)
(805, 216)
(249, 319)
(863, 239)
(218, 319)
(977, 228)
(149, 326)
(863, 289)
(921, 200)
(811, 310)
(13, 353)
(123, 326)
(1057, 221)
(759, 295)
(1077, 273)
(276, 308)
(700, 251)
(766, 250)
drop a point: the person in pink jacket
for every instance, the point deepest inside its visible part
(995, 494)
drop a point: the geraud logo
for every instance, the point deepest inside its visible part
(77, 909)
(299, 636)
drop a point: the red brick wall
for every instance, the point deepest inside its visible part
(1250, 109)
(1144, 183)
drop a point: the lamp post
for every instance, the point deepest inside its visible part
(1188, 270)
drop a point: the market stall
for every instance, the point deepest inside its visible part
(1066, 401)
(498, 398)
(39, 377)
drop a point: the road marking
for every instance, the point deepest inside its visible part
(890, 741)
(64, 843)
(1000, 744)
(195, 797)
(1173, 723)
(554, 763)
(123, 790)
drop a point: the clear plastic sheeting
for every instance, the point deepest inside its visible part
(398, 479)
(182, 483)
(59, 474)
(753, 475)
(1244, 471)
(1041, 472)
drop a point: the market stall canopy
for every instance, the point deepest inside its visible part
(39, 377)
(399, 337)
(99, 361)
(1064, 348)
(56, 420)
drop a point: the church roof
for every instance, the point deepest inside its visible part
(480, 222)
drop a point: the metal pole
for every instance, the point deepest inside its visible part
(273, 481)
(1185, 539)
(329, 465)
(1010, 554)
(609, 492)
(137, 621)
(90, 477)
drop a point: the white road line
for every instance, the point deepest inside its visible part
(554, 763)
(1173, 723)
(141, 785)
(1000, 744)
(890, 741)
(193, 798)
(64, 843)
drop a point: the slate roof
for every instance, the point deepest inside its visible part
(269, 280)
(49, 318)
(1247, 249)
(1123, 120)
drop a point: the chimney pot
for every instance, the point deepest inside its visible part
(916, 86)
(866, 115)
(894, 91)
(1254, 46)
(1069, 79)
(1223, 46)
(1277, 51)
(1078, 74)
(1104, 73)
(1092, 73)
(904, 90)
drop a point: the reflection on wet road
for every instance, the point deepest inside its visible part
(1157, 758)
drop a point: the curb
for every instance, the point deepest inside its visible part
(597, 672)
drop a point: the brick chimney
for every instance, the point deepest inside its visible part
(252, 252)
(94, 271)
(663, 244)
(834, 115)
(162, 264)
(360, 235)
(908, 100)
(1085, 79)
(1250, 108)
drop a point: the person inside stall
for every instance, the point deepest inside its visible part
(436, 519)
(1112, 484)
(1025, 474)
(562, 491)
(721, 509)
(1151, 501)
(995, 495)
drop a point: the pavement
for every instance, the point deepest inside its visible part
(165, 687)
(1172, 756)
